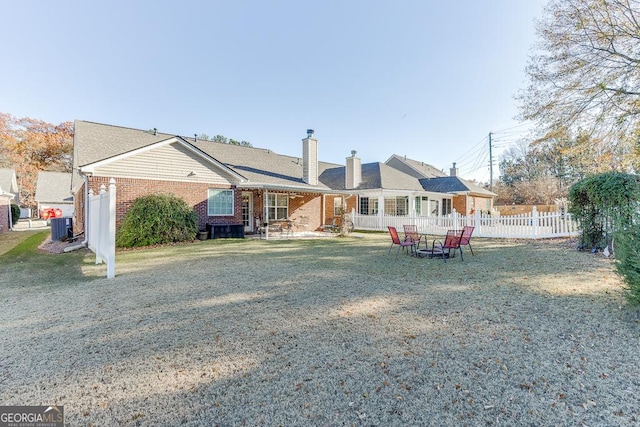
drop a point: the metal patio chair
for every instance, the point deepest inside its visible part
(395, 240)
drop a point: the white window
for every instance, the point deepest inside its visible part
(337, 206)
(446, 206)
(220, 202)
(368, 206)
(433, 207)
(396, 206)
(278, 206)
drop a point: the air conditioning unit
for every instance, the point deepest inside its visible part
(61, 228)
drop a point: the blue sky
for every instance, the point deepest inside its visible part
(426, 79)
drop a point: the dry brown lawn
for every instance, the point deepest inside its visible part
(322, 332)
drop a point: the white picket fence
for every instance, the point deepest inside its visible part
(536, 225)
(101, 231)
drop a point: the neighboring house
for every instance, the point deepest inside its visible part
(401, 186)
(53, 191)
(466, 197)
(9, 184)
(8, 194)
(226, 184)
(379, 188)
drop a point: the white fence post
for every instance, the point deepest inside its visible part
(111, 235)
(534, 223)
(101, 226)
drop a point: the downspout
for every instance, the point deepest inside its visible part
(10, 215)
(85, 241)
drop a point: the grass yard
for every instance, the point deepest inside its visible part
(321, 332)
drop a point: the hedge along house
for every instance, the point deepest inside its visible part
(226, 184)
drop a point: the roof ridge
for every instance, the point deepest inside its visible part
(126, 127)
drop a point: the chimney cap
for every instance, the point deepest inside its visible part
(353, 153)
(309, 133)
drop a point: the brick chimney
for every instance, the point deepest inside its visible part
(310, 159)
(454, 171)
(353, 173)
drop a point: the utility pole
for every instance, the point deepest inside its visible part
(490, 164)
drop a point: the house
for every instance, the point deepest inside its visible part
(8, 194)
(53, 191)
(401, 186)
(246, 187)
(466, 197)
(226, 184)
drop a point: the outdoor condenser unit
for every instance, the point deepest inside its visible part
(61, 228)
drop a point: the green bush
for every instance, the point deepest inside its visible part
(15, 213)
(627, 261)
(157, 219)
(603, 204)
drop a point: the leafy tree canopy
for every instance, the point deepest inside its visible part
(29, 146)
(223, 140)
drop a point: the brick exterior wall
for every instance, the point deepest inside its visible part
(460, 204)
(305, 210)
(78, 211)
(329, 213)
(128, 190)
(5, 209)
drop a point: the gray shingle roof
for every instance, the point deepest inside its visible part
(54, 187)
(374, 176)
(94, 142)
(414, 168)
(453, 184)
(261, 167)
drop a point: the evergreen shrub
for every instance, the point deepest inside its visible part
(157, 219)
(15, 213)
(627, 261)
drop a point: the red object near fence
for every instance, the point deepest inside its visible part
(49, 213)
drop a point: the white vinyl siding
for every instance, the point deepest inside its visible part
(172, 162)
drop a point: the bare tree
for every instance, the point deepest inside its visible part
(585, 74)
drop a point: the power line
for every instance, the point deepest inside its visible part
(475, 147)
(512, 127)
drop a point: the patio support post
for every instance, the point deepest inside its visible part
(381, 224)
(265, 203)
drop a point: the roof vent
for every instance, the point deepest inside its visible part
(155, 131)
(195, 137)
